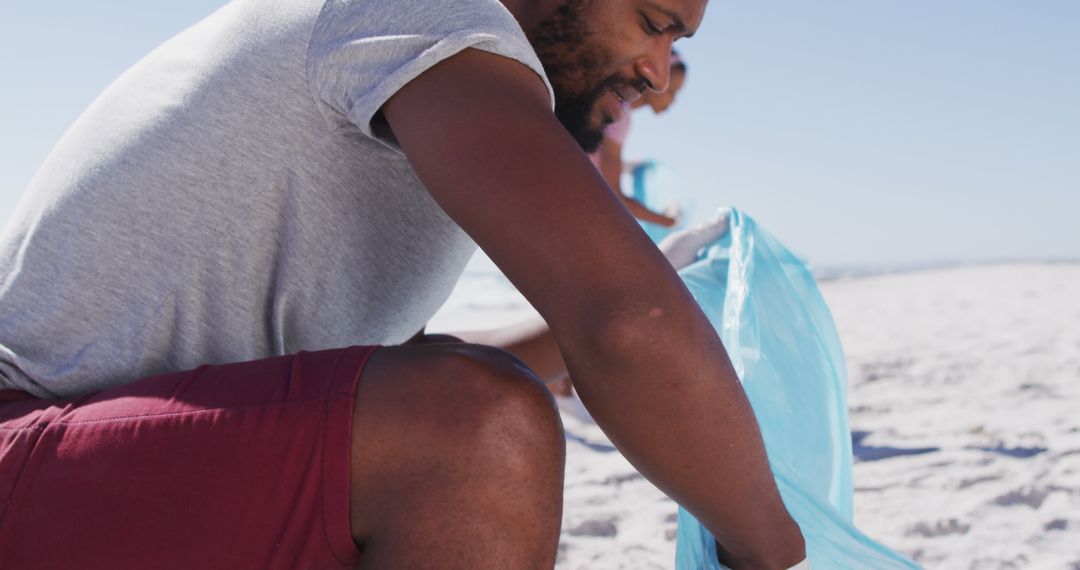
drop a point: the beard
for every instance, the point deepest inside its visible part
(574, 63)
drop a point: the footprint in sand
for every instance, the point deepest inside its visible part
(1029, 496)
(1056, 524)
(939, 528)
(971, 482)
(601, 528)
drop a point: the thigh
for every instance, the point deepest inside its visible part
(235, 466)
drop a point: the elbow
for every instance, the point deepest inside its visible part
(624, 338)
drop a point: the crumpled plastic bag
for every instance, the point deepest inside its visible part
(781, 338)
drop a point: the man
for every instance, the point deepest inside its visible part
(307, 175)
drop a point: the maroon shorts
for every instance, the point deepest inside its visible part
(234, 466)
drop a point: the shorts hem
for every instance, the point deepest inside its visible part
(337, 453)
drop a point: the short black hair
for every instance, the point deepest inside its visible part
(677, 62)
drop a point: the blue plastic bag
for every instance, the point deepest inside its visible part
(780, 335)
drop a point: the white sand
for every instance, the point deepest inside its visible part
(982, 365)
(965, 402)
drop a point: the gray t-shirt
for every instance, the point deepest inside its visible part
(226, 199)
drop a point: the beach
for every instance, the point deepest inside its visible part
(964, 398)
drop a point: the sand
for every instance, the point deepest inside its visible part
(965, 408)
(965, 403)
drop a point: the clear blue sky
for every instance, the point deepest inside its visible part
(859, 132)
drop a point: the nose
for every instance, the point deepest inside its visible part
(655, 67)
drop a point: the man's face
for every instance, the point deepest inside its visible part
(599, 54)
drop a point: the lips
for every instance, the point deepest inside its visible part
(612, 107)
(626, 94)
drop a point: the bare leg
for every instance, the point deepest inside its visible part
(457, 461)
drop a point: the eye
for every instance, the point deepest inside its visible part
(651, 28)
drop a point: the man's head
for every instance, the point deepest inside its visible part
(599, 54)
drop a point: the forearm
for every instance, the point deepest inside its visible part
(660, 414)
(686, 424)
(639, 211)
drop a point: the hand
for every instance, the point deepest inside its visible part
(681, 248)
(673, 210)
(729, 562)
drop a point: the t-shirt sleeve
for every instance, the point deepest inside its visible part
(361, 52)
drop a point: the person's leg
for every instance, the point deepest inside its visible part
(457, 461)
(446, 456)
(242, 465)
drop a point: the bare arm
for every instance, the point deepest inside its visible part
(611, 167)
(531, 341)
(639, 211)
(478, 130)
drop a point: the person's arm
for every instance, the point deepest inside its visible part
(531, 341)
(611, 167)
(642, 212)
(479, 132)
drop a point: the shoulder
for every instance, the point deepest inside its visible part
(362, 52)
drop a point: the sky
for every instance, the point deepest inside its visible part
(884, 133)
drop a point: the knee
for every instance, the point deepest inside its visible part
(500, 388)
(501, 409)
(452, 422)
